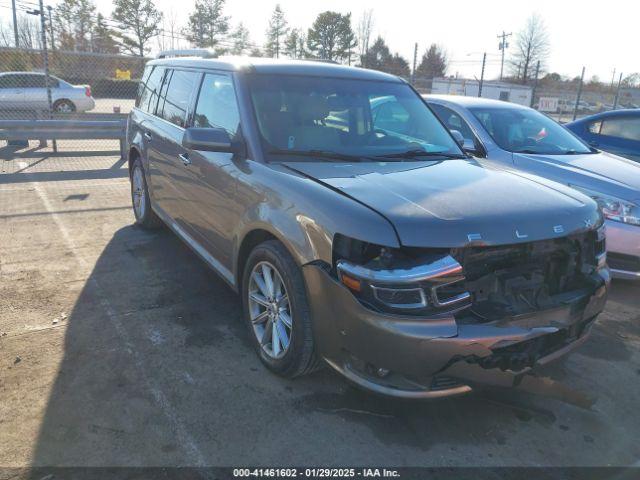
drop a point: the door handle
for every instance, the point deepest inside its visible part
(593, 143)
(147, 135)
(185, 159)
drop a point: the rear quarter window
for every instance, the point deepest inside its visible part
(149, 88)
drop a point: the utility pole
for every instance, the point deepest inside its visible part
(502, 46)
(415, 61)
(53, 43)
(484, 59)
(15, 23)
(535, 84)
(575, 110)
(615, 101)
(519, 67)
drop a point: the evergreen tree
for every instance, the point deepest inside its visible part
(207, 25)
(240, 40)
(331, 37)
(294, 44)
(276, 33)
(104, 40)
(138, 22)
(434, 63)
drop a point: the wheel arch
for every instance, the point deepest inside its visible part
(302, 243)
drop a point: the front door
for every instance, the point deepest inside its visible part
(211, 209)
(11, 92)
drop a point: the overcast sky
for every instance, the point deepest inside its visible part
(602, 36)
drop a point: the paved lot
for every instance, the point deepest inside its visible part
(119, 347)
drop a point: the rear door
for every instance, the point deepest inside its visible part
(166, 154)
(211, 210)
(11, 91)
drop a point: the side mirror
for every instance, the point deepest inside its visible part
(457, 136)
(469, 146)
(210, 140)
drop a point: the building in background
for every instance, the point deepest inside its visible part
(507, 92)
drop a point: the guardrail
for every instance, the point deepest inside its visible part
(64, 130)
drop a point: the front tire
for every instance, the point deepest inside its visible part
(277, 312)
(145, 216)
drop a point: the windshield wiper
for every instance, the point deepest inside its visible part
(421, 153)
(327, 154)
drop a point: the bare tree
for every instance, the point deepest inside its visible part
(365, 27)
(29, 32)
(532, 46)
(6, 34)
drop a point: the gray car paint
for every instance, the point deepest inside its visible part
(304, 204)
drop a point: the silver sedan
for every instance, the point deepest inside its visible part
(26, 91)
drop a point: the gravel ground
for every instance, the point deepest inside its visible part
(119, 347)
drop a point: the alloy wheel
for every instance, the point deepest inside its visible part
(269, 309)
(138, 193)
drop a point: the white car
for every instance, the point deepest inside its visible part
(26, 91)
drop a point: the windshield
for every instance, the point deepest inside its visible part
(345, 120)
(527, 131)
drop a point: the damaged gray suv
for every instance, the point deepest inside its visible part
(362, 237)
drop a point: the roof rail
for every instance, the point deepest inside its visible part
(188, 52)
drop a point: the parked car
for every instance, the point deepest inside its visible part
(617, 132)
(519, 137)
(406, 265)
(26, 91)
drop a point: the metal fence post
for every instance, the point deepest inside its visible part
(575, 110)
(617, 97)
(45, 61)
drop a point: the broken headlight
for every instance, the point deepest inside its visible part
(408, 282)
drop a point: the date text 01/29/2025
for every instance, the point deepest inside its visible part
(315, 472)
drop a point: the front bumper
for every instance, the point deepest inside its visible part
(623, 250)
(412, 357)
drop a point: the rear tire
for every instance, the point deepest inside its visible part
(294, 354)
(64, 106)
(145, 216)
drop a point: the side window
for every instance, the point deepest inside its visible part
(149, 89)
(38, 81)
(175, 101)
(594, 127)
(623, 127)
(217, 106)
(453, 121)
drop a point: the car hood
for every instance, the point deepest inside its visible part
(457, 202)
(602, 172)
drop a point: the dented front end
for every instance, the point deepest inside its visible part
(419, 323)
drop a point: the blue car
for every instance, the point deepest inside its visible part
(617, 131)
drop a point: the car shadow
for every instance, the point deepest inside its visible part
(158, 370)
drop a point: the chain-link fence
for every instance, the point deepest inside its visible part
(562, 100)
(87, 86)
(78, 86)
